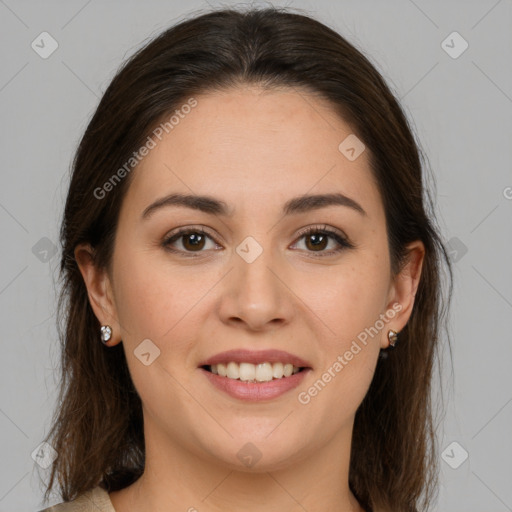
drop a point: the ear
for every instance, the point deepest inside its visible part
(403, 289)
(99, 290)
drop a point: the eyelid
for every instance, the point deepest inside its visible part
(324, 228)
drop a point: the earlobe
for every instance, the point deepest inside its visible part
(99, 290)
(404, 288)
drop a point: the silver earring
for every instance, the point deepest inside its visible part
(106, 333)
(393, 337)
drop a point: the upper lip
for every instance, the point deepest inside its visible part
(256, 357)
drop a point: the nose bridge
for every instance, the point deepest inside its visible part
(255, 296)
(252, 261)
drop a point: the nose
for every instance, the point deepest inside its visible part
(255, 294)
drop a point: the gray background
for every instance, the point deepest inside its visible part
(461, 110)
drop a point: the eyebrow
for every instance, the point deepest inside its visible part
(213, 206)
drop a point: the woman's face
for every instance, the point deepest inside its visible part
(248, 278)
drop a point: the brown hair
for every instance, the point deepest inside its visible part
(97, 429)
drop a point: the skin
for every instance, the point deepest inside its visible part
(254, 150)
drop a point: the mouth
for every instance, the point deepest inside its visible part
(255, 375)
(249, 372)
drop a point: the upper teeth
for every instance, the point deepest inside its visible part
(258, 372)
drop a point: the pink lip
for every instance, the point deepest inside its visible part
(255, 391)
(256, 357)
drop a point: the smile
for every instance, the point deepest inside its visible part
(254, 390)
(248, 372)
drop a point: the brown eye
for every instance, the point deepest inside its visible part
(193, 241)
(316, 241)
(188, 241)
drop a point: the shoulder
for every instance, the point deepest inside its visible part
(94, 500)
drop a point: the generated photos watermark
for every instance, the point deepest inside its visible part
(304, 397)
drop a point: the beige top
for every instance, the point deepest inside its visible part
(95, 500)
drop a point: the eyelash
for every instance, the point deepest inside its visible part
(324, 230)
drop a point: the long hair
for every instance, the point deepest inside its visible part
(97, 428)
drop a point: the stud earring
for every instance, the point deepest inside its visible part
(393, 337)
(106, 333)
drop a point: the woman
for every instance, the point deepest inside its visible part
(252, 282)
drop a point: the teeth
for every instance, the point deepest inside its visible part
(248, 372)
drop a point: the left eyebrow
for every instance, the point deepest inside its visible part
(214, 206)
(314, 202)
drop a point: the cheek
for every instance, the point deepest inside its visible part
(156, 303)
(159, 301)
(350, 356)
(148, 303)
(352, 306)
(353, 299)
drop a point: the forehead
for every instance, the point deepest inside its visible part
(247, 144)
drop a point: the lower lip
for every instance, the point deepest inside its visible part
(255, 391)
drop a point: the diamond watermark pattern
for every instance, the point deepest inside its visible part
(249, 249)
(44, 455)
(351, 147)
(454, 455)
(456, 249)
(249, 455)
(454, 45)
(44, 45)
(146, 352)
(44, 250)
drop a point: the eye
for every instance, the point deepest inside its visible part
(191, 240)
(194, 240)
(317, 240)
